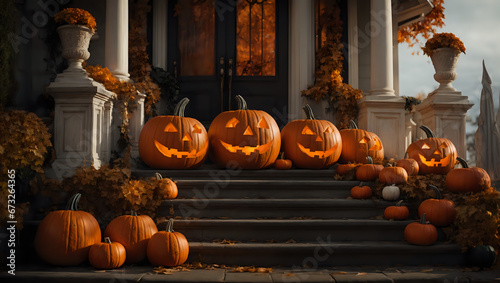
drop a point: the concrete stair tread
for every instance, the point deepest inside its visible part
(303, 202)
(289, 222)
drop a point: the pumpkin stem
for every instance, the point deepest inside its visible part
(158, 176)
(423, 220)
(73, 202)
(463, 162)
(170, 225)
(107, 240)
(180, 107)
(406, 155)
(282, 155)
(242, 104)
(309, 112)
(352, 125)
(369, 160)
(436, 190)
(399, 203)
(427, 131)
(133, 213)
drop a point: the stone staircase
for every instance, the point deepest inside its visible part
(300, 218)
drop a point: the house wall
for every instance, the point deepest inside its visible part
(364, 56)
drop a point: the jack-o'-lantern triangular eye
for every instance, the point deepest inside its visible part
(263, 124)
(328, 130)
(426, 146)
(232, 123)
(443, 145)
(170, 128)
(364, 140)
(377, 145)
(307, 131)
(196, 129)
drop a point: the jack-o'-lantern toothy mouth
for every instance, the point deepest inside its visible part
(247, 150)
(433, 163)
(169, 152)
(318, 153)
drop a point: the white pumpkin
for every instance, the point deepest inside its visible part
(390, 192)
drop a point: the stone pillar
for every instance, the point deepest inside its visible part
(302, 55)
(136, 122)
(116, 42)
(381, 111)
(82, 124)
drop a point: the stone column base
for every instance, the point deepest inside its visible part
(444, 113)
(384, 115)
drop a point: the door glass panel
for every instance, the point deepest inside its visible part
(196, 37)
(256, 38)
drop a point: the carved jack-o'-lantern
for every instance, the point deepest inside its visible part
(311, 143)
(248, 139)
(433, 155)
(358, 144)
(173, 141)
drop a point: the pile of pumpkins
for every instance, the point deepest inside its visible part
(70, 237)
(430, 155)
(251, 139)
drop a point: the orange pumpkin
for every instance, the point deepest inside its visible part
(465, 179)
(439, 211)
(396, 212)
(344, 169)
(368, 171)
(173, 141)
(107, 255)
(358, 144)
(166, 187)
(409, 164)
(393, 175)
(168, 248)
(361, 192)
(311, 143)
(282, 163)
(433, 155)
(248, 139)
(133, 232)
(421, 233)
(64, 237)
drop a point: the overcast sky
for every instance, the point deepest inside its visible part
(477, 24)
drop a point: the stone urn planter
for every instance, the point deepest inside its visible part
(445, 62)
(75, 40)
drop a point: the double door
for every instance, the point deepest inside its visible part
(220, 48)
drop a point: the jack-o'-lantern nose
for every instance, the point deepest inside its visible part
(186, 137)
(319, 139)
(437, 152)
(248, 132)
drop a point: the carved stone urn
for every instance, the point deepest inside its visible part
(445, 62)
(75, 40)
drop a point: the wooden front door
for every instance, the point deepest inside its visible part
(221, 48)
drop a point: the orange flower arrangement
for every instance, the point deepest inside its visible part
(76, 16)
(442, 40)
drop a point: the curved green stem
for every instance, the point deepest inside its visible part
(170, 225)
(73, 202)
(436, 191)
(423, 220)
(369, 160)
(181, 107)
(428, 132)
(158, 176)
(463, 162)
(352, 125)
(309, 112)
(399, 203)
(133, 213)
(107, 240)
(242, 104)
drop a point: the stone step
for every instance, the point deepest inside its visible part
(279, 189)
(325, 253)
(290, 230)
(212, 172)
(273, 208)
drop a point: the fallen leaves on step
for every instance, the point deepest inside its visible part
(361, 273)
(225, 241)
(164, 270)
(252, 269)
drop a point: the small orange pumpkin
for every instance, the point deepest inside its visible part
(133, 232)
(107, 255)
(168, 248)
(409, 164)
(465, 179)
(433, 155)
(173, 141)
(393, 175)
(311, 143)
(282, 163)
(166, 187)
(421, 233)
(439, 211)
(344, 169)
(64, 237)
(396, 212)
(361, 192)
(358, 144)
(368, 171)
(249, 139)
